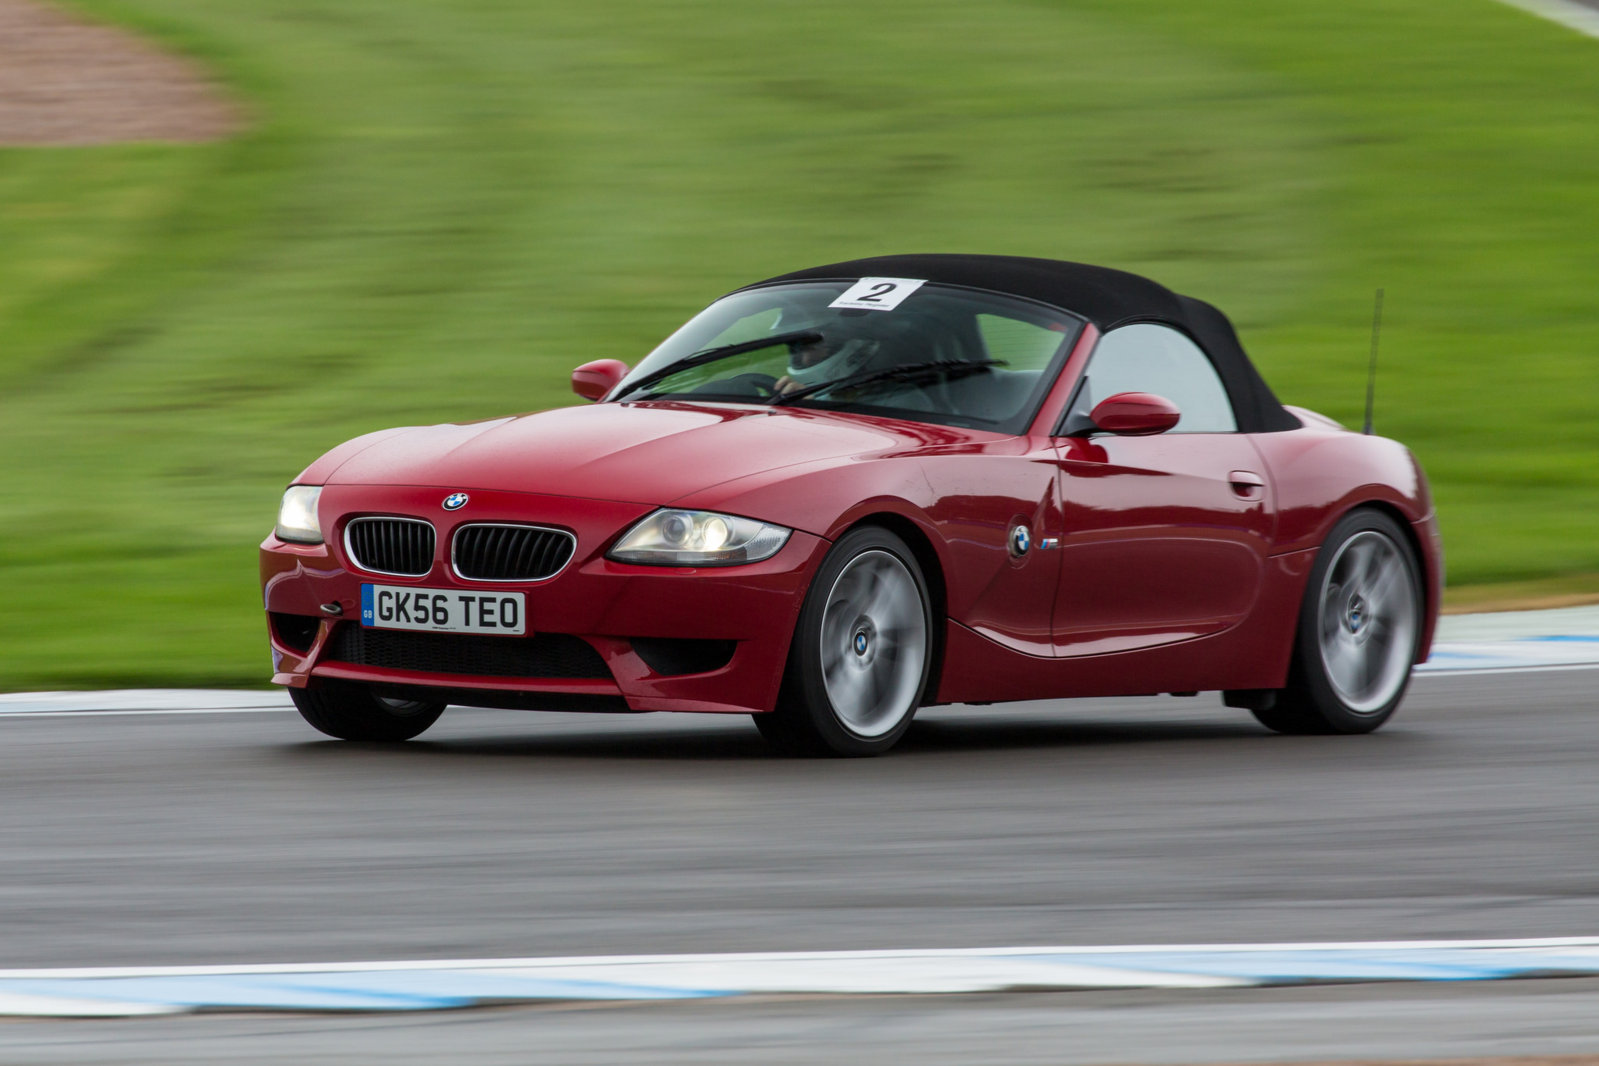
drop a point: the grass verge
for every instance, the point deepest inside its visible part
(443, 206)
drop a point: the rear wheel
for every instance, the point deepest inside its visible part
(1358, 631)
(351, 712)
(861, 651)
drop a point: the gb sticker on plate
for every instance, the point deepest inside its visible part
(878, 294)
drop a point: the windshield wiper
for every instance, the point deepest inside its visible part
(906, 372)
(710, 355)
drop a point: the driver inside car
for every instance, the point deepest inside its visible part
(822, 360)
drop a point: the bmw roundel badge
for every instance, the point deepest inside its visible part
(1021, 539)
(455, 501)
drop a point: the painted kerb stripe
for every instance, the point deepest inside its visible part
(455, 984)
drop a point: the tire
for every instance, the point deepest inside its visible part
(350, 712)
(1359, 626)
(862, 652)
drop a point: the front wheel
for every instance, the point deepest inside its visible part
(350, 712)
(861, 654)
(1359, 627)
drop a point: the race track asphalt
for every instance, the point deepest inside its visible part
(245, 837)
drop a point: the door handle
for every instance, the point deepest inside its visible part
(1247, 485)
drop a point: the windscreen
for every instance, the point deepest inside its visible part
(889, 346)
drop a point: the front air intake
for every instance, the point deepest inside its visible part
(399, 546)
(544, 655)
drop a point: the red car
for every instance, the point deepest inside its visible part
(841, 494)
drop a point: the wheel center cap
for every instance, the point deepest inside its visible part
(863, 642)
(1355, 616)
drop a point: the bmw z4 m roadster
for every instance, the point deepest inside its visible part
(841, 494)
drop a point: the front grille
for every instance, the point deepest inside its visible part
(549, 655)
(489, 552)
(402, 546)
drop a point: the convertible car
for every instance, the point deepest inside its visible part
(844, 493)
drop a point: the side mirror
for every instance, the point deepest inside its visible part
(1135, 414)
(593, 380)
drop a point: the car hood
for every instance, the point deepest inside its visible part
(650, 453)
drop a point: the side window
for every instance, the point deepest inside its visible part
(1146, 357)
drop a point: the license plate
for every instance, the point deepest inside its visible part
(443, 610)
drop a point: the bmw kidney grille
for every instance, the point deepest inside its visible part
(485, 551)
(401, 546)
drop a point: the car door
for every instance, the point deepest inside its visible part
(1165, 537)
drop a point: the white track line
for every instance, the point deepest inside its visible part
(143, 701)
(6, 712)
(902, 954)
(453, 984)
(1568, 13)
(1480, 671)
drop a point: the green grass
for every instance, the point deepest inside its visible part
(443, 205)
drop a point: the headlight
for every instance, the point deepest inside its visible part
(297, 515)
(698, 538)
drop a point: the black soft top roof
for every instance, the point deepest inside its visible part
(1107, 298)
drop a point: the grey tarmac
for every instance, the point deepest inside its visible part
(149, 839)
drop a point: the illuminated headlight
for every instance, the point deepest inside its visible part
(698, 538)
(297, 515)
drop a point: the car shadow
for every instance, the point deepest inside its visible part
(734, 739)
(975, 734)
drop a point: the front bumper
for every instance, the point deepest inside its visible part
(665, 638)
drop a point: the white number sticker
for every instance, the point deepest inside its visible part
(878, 294)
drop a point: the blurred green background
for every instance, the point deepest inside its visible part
(440, 206)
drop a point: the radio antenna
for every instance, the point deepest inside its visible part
(1371, 370)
